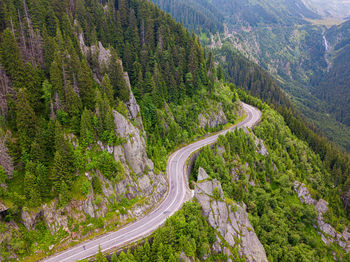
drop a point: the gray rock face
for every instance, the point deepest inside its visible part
(229, 219)
(328, 233)
(135, 147)
(303, 194)
(261, 148)
(104, 54)
(140, 181)
(213, 119)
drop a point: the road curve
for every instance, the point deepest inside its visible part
(178, 193)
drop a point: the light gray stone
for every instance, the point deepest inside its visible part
(134, 148)
(212, 119)
(233, 225)
(328, 233)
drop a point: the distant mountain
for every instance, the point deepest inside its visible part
(260, 12)
(334, 85)
(334, 8)
(279, 36)
(196, 15)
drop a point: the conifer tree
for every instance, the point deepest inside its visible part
(33, 84)
(25, 119)
(100, 256)
(107, 89)
(123, 11)
(86, 86)
(86, 128)
(30, 185)
(10, 58)
(115, 73)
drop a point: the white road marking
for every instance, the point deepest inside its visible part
(164, 212)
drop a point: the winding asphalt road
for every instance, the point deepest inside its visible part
(178, 193)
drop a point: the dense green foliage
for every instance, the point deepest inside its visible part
(283, 224)
(57, 99)
(333, 86)
(185, 233)
(275, 35)
(52, 92)
(258, 82)
(197, 15)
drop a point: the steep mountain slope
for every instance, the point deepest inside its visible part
(280, 36)
(267, 197)
(84, 148)
(80, 154)
(284, 188)
(197, 15)
(334, 86)
(335, 8)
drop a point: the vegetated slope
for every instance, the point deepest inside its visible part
(278, 180)
(337, 8)
(294, 53)
(258, 12)
(72, 136)
(196, 15)
(334, 86)
(276, 36)
(288, 222)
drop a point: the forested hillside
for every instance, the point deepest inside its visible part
(196, 15)
(77, 149)
(334, 86)
(287, 39)
(250, 76)
(278, 180)
(94, 95)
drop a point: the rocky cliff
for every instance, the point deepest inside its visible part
(328, 233)
(230, 220)
(213, 119)
(142, 185)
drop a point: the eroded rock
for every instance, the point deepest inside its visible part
(229, 219)
(328, 233)
(213, 119)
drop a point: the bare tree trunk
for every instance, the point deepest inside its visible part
(35, 40)
(5, 158)
(4, 89)
(23, 44)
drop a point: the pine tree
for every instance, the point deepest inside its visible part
(86, 86)
(63, 168)
(100, 256)
(30, 186)
(86, 128)
(26, 120)
(114, 258)
(123, 11)
(33, 84)
(10, 58)
(56, 77)
(119, 35)
(115, 73)
(107, 89)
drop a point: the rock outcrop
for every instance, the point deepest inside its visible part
(328, 233)
(213, 119)
(260, 146)
(229, 219)
(140, 182)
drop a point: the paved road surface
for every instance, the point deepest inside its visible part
(178, 194)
